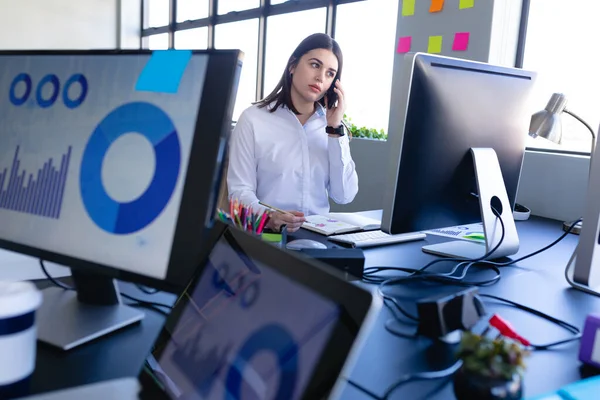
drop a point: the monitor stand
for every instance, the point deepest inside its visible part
(492, 192)
(570, 277)
(69, 318)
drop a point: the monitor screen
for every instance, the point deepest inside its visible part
(246, 330)
(441, 108)
(95, 154)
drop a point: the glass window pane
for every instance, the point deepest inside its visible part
(196, 38)
(284, 34)
(226, 6)
(158, 42)
(576, 77)
(367, 74)
(191, 9)
(241, 35)
(157, 13)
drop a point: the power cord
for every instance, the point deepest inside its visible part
(563, 324)
(419, 376)
(421, 274)
(149, 304)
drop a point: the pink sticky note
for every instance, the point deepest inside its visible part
(404, 44)
(461, 41)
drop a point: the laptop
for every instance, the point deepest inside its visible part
(259, 322)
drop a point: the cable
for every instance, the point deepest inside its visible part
(146, 290)
(563, 324)
(51, 279)
(149, 304)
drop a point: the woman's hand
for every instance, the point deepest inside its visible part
(293, 220)
(336, 113)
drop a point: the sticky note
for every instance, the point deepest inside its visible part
(436, 6)
(584, 389)
(408, 8)
(404, 44)
(466, 4)
(435, 44)
(163, 71)
(461, 41)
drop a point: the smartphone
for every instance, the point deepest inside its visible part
(332, 96)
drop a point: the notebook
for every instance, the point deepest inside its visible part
(336, 223)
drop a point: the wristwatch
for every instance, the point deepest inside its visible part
(336, 131)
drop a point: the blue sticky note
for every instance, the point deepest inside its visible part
(586, 389)
(163, 71)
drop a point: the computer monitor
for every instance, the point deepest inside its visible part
(457, 136)
(110, 164)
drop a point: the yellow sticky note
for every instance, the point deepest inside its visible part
(408, 7)
(435, 44)
(466, 4)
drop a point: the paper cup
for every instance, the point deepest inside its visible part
(18, 335)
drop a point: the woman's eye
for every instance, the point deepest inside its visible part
(331, 74)
(315, 65)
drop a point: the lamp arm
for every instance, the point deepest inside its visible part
(572, 114)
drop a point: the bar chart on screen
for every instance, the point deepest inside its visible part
(40, 194)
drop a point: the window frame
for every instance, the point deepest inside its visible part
(262, 13)
(519, 58)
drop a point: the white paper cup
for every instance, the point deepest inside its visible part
(18, 335)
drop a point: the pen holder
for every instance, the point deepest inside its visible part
(277, 238)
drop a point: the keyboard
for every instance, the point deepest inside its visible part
(375, 238)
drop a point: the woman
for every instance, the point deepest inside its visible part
(289, 150)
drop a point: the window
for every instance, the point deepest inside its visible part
(366, 34)
(195, 39)
(157, 13)
(188, 10)
(284, 33)
(559, 47)
(235, 24)
(241, 35)
(158, 42)
(226, 6)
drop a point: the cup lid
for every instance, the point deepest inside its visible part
(17, 298)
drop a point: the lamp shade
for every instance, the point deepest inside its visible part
(547, 123)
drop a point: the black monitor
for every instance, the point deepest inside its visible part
(110, 164)
(457, 136)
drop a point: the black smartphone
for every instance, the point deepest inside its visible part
(332, 96)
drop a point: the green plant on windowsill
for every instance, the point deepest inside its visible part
(364, 132)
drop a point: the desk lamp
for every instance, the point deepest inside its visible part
(583, 269)
(547, 124)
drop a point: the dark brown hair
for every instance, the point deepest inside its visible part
(282, 92)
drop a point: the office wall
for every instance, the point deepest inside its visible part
(68, 24)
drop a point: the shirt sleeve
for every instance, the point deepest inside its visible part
(343, 180)
(241, 172)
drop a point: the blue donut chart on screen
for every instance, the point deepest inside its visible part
(156, 126)
(271, 338)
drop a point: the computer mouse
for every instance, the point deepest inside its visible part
(300, 244)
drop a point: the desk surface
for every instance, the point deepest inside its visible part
(537, 282)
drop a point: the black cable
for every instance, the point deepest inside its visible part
(563, 324)
(149, 304)
(51, 279)
(146, 290)
(421, 376)
(420, 274)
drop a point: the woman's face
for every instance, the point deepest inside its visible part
(313, 75)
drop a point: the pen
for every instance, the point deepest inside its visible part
(274, 208)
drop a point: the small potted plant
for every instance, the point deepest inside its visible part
(491, 369)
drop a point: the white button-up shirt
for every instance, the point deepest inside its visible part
(275, 159)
